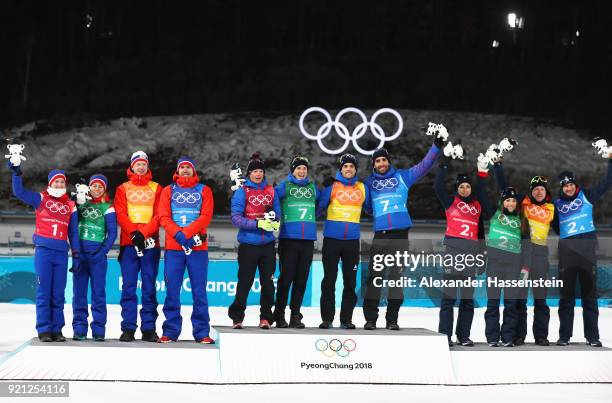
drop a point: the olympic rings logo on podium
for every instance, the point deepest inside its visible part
(186, 197)
(299, 193)
(466, 208)
(57, 207)
(91, 213)
(380, 184)
(139, 195)
(573, 206)
(358, 132)
(335, 347)
(259, 200)
(346, 195)
(537, 211)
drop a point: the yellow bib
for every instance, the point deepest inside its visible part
(539, 219)
(140, 201)
(345, 202)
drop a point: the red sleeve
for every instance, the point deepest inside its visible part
(165, 213)
(152, 227)
(206, 212)
(120, 205)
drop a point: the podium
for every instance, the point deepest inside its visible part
(312, 355)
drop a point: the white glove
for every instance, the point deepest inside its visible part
(236, 177)
(483, 163)
(197, 240)
(149, 243)
(437, 130)
(506, 145)
(601, 145)
(453, 151)
(14, 154)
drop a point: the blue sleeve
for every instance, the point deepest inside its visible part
(367, 206)
(25, 195)
(415, 173)
(440, 189)
(280, 190)
(488, 209)
(73, 232)
(323, 201)
(596, 192)
(277, 205)
(110, 219)
(237, 211)
(498, 171)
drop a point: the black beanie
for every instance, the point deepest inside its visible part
(255, 162)
(381, 152)
(508, 193)
(566, 177)
(462, 178)
(297, 161)
(348, 159)
(538, 181)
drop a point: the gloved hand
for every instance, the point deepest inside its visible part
(15, 169)
(191, 243)
(439, 142)
(483, 163)
(99, 254)
(138, 239)
(181, 239)
(76, 263)
(267, 225)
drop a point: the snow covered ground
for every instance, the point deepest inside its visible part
(18, 326)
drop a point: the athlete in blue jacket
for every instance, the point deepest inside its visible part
(250, 204)
(298, 196)
(56, 223)
(342, 202)
(577, 258)
(388, 202)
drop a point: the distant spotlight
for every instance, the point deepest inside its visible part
(88, 21)
(577, 34)
(495, 44)
(512, 20)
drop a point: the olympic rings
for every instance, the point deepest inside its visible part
(57, 207)
(573, 206)
(537, 211)
(186, 197)
(346, 195)
(335, 347)
(358, 132)
(260, 200)
(139, 195)
(466, 208)
(90, 212)
(299, 193)
(380, 184)
(506, 221)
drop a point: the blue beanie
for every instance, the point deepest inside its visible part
(185, 160)
(55, 174)
(99, 178)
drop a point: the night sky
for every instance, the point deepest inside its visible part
(106, 58)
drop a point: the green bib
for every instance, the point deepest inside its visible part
(505, 233)
(299, 203)
(91, 221)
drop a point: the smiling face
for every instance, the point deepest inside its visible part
(464, 189)
(381, 165)
(348, 170)
(538, 193)
(256, 176)
(59, 183)
(569, 189)
(96, 190)
(185, 170)
(140, 168)
(300, 172)
(510, 204)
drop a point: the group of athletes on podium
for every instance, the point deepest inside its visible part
(516, 244)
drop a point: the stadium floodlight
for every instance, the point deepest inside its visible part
(514, 21)
(495, 44)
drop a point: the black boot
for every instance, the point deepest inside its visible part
(296, 321)
(392, 325)
(127, 335)
(150, 336)
(45, 337)
(519, 341)
(58, 337)
(370, 325)
(281, 323)
(325, 325)
(347, 325)
(542, 341)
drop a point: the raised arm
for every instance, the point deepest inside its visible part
(421, 169)
(439, 186)
(25, 195)
(488, 208)
(596, 192)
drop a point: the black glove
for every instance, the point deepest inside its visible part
(16, 170)
(138, 239)
(76, 263)
(438, 142)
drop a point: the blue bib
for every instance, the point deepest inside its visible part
(389, 195)
(186, 204)
(575, 217)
